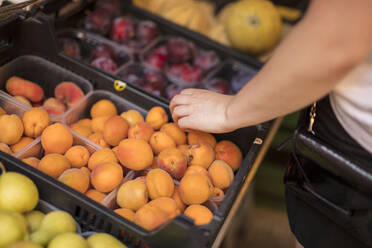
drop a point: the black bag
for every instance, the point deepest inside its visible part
(329, 197)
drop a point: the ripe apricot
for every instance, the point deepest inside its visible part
(160, 141)
(140, 130)
(141, 179)
(176, 197)
(85, 122)
(195, 188)
(32, 161)
(125, 213)
(221, 174)
(135, 154)
(98, 139)
(103, 108)
(167, 205)
(24, 141)
(173, 161)
(102, 156)
(86, 171)
(132, 117)
(201, 154)
(175, 132)
(157, 117)
(5, 148)
(230, 153)
(115, 130)
(78, 156)
(54, 106)
(68, 93)
(184, 149)
(200, 214)
(11, 129)
(76, 179)
(150, 217)
(197, 137)
(17, 86)
(54, 164)
(196, 168)
(132, 195)
(82, 130)
(23, 100)
(98, 123)
(56, 138)
(159, 184)
(95, 195)
(35, 121)
(106, 177)
(217, 193)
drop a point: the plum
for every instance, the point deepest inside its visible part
(154, 89)
(156, 60)
(192, 74)
(98, 21)
(70, 47)
(106, 64)
(219, 85)
(171, 91)
(240, 79)
(207, 61)
(156, 78)
(111, 6)
(178, 69)
(161, 50)
(122, 29)
(102, 50)
(180, 50)
(146, 31)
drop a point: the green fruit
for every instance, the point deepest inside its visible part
(17, 193)
(53, 224)
(24, 244)
(34, 219)
(68, 240)
(104, 240)
(13, 228)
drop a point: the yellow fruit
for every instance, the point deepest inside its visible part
(104, 240)
(290, 14)
(13, 228)
(68, 240)
(34, 219)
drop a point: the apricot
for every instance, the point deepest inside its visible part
(82, 130)
(11, 129)
(196, 168)
(201, 154)
(173, 161)
(197, 137)
(195, 188)
(140, 130)
(5, 148)
(2, 111)
(32, 161)
(167, 205)
(78, 156)
(135, 154)
(176, 197)
(106, 177)
(200, 214)
(95, 195)
(17, 86)
(221, 173)
(141, 179)
(115, 149)
(53, 106)
(56, 138)
(23, 100)
(160, 141)
(217, 193)
(115, 130)
(125, 213)
(103, 108)
(76, 179)
(22, 143)
(159, 184)
(86, 171)
(98, 139)
(132, 195)
(54, 164)
(150, 217)
(35, 121)
(132, 117)
(98, 123)
(184, 149)
(102, 156)
(230, 153)
(175, 132)
(156, 117)
(85, 122)
(68, 93)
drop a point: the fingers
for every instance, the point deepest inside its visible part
(181, 111)
(187, 123)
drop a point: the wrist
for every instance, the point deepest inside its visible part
(230, 121)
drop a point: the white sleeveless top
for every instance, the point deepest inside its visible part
(351, 101)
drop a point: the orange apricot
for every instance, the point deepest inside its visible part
(197, 137)
(132, 195)
(230, 153)
(22, 143)
(195, 188)
(54, 164)
(35, 121)
(95, 195)
(103, 108)
(167, 205)
(23, 100)
(32, 161)
(76, 179)
(140, 130)
(132, 117)
(176, 197)
(160, 141)
(106, 177)
(78, 156)
(184, 149)
(135, 154)
(217, 193)
(98, 139)
(173, 161)
(173, 130)
(11, 128)
(125, 213)
(115, 130)
(98, 123)
(85, 122)
(159, 184)
(150, 217)
(221, 174)
(82, 130)
(5, 148)
(86, 171)
(156, 117)
(200, 214)
(196, 168)
(56, 138)
(201, 154)
(102, 156)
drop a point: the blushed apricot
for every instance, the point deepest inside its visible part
(160, 141)
(85, 122)
(98, 123)
(98, 139)
(132, 117)
(175, 132)
(76, 179)
(150, 217)
(140, 130)
(196, 168)
(86, 171)
(167, 205)
(24, 141)
(195, 188)
(82, 130)
(54, 164)
(95, 195)
(125, 213)
(201, 154)
(17, 86)
(115, 130)
(102, 156)
(56, 138)
(35, 121)
(68, 93)
(230, 153)
(159, 184)
(176, 197)
(32, 161)
(200, 214)
(221, 174)
(11, 129)
(106, 177)
(132, 195)
(157, 117)
(103, 108)
(135, 154)
(173, 161)
(197, 137)
(54, 106)
(5, 148)
(78, 156)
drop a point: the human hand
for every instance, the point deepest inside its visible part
(202, 110)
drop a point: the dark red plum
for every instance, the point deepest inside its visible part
(180, 50)
(239, 80)
(157, 78)
(178, 69)
(219, 85)
(160, 50)
(122, 29)
(171, 91)
(146, 31)
(156, 60)
(70, 47)
(102, 51)
(207, 61)
(111, 6)
(192, 74)
(105, 64)
(98, 21)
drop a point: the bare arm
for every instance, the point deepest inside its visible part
(331, 40)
